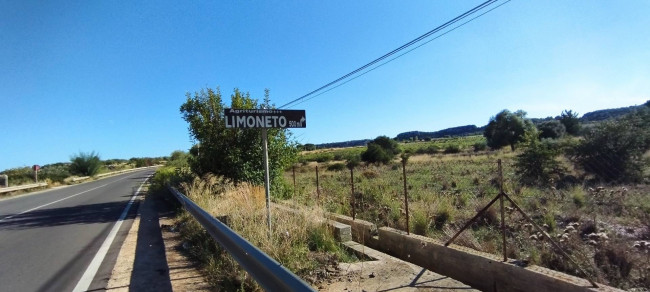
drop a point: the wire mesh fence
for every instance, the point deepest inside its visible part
(583, 225)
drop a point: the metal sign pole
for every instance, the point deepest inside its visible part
(267, 187)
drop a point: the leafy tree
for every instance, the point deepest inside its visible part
(86, 164)
(571, 122)
(178, 159)
(507, 128)
(552, 129)
(613, 150)
(309, 147)
(381, 150)
(235, 154)
(537, 164)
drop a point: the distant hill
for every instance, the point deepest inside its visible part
(449, 132)
(345, 144)
(595, 116)
(606, 114)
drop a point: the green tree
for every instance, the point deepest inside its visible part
(507, 128)
(235, 154)
(552, 129)
(537, 164)
(380, 150)
(86, 164)
(309, 147)
(571, 122)
(178, 159)
(613, 150)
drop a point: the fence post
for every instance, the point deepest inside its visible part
(317, 187)
(354, 203)
(294, 180)
(503, 220)
(406, 200)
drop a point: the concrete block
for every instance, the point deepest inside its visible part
(362, 231)
(482, 271)
(342, 232)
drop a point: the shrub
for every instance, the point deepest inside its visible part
(570, 121)
(552, 129)
(536, 165)
(380, 150)
(420, 223)
(19, 175)
(578, 198)
(55, 172)
(615, 262)
(324, 157)
(86, 164)
(613, 150)
(480, 146)
(336, 167)
(452, 148)
(442, 216)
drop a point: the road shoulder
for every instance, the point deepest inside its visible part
(150, 257)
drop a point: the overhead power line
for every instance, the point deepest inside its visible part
(399, 49)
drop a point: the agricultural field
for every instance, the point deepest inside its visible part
(604, 228)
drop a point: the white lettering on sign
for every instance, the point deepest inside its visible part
(257, 122)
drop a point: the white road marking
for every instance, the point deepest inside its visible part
(91, 271)
(59, 200)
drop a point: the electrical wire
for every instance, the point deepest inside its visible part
(393, 52)
(398, 56)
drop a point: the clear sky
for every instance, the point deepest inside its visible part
(110, 76)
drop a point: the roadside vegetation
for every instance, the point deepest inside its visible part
(589, 192)
(223, 174)
(81, 164)
(587, 185)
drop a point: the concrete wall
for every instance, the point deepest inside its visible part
(480, 270)
(363, 232)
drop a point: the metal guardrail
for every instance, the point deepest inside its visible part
(22, 187)
(270, 274)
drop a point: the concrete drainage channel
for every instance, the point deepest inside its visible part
(479, 270)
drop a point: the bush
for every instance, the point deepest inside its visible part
(336, 167)
(452, 148)
(324, 157)
(86, 164)
(55, 172)
(431, 149)
(19, 175)
(552, 129)
(480, 146)
(613, 150)
(381, 150)
(536, 165)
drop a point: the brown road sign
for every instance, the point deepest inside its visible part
(264, 118)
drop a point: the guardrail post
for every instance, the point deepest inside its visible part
(4, 181)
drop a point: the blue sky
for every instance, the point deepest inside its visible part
(110, 76)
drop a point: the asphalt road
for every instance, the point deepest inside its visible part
(49, 239)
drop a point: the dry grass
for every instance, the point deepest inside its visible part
(446, 190)
(299, 241)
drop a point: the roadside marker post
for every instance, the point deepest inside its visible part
(36, 167)
(265, 119)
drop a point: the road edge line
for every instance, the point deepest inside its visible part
(93, 267)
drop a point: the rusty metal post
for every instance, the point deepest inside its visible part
(354, 213)
(317, 187)
(294, 180)
(406, 200)
(503, 217)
